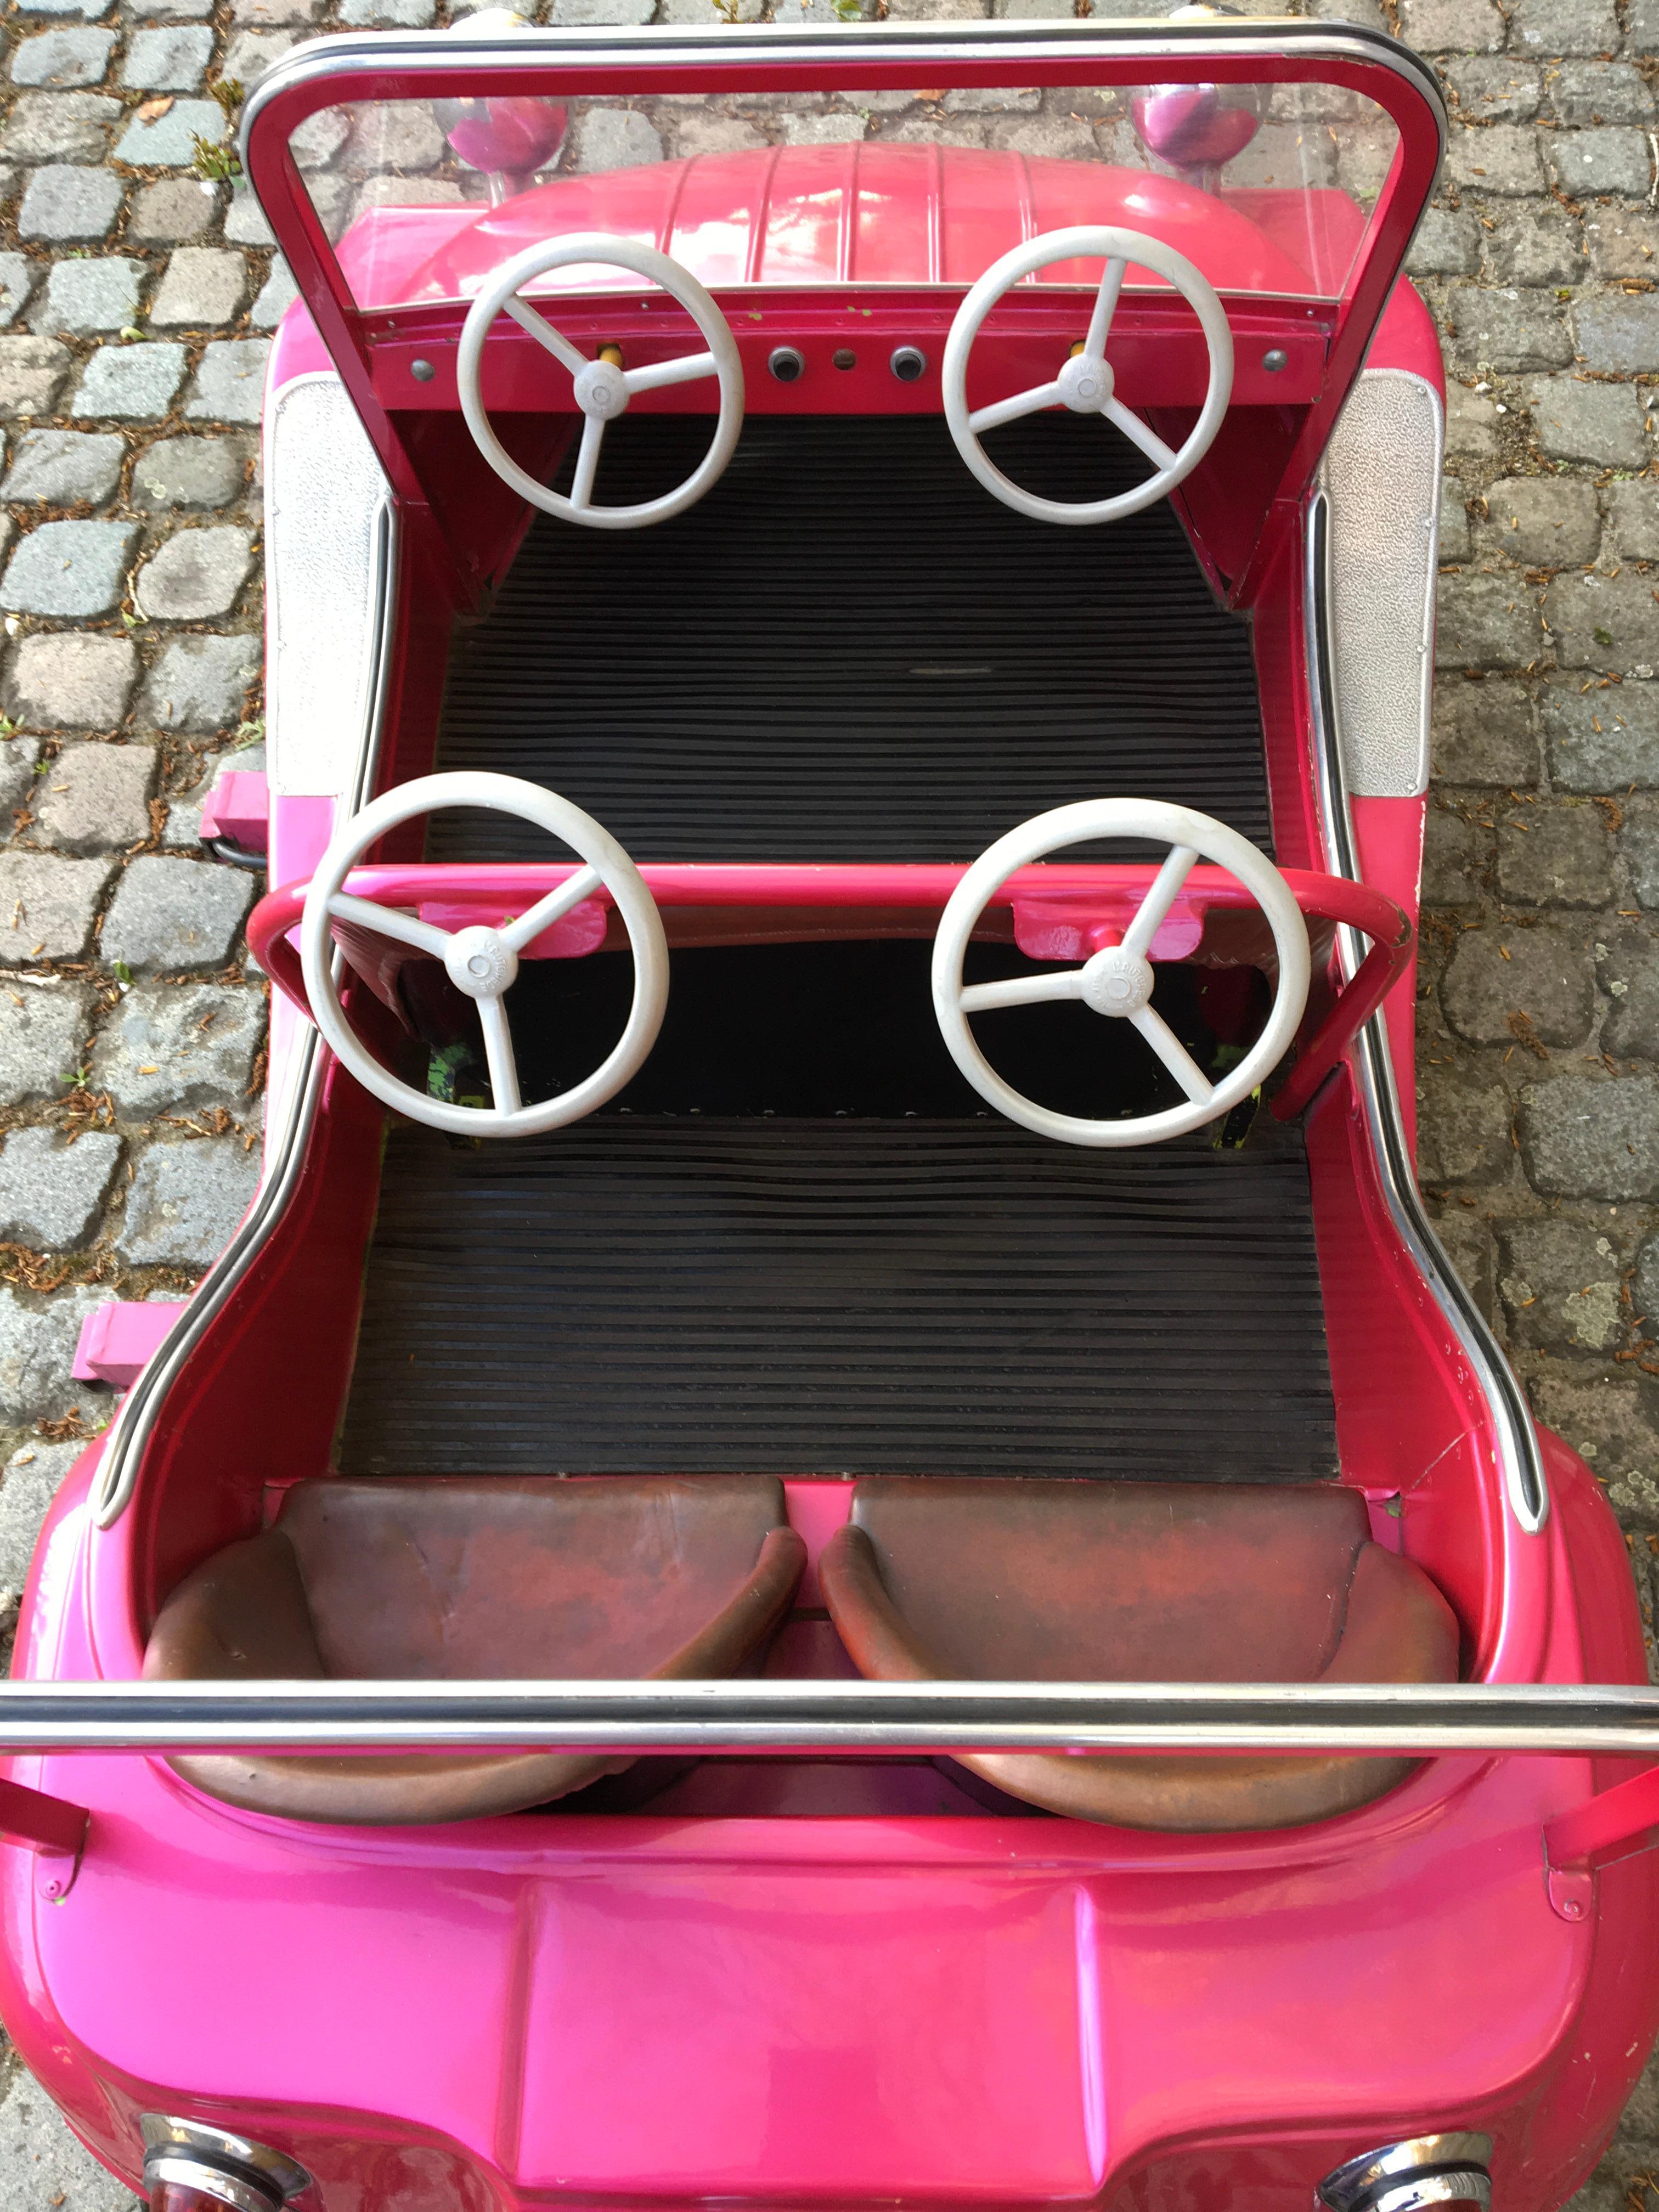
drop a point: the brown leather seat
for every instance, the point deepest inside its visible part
(603, 1578)
(991, 1580)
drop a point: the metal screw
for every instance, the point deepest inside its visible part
(787, 364)
(421, 370)
(1572, 1908)
(53, 1887)
(844, 357)
(1274, 359)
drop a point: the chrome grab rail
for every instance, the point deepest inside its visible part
(1413, 1719)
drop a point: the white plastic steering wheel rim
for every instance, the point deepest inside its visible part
(607, 865)
(1121, 973)
(602, 392)
(1076, 387)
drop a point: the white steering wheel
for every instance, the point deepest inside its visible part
(1086, 383)
(1118, 980)
(602, 390)
(481, 961)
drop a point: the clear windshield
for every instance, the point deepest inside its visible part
(1266, 187)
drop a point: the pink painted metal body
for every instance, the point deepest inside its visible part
(846, 1999)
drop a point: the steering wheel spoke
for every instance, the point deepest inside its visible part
(658, 375)
(588, 462)
(537, 327)
(1153, 910)
(1105, 306)
(1136, 432)
(1023, 991)
(499, 1056)
(389, 921)
(602, 390)
(554, 908)
(1012, 411)
(1173, 1053)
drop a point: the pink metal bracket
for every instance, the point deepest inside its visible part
(1615, 1825)
(55, 1830)
(119, 1339)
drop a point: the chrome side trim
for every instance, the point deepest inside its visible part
(1410, 1720)
(1525, 1484)
(285, 1145)
(167, 2139)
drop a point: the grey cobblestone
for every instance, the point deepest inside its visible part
(1585, 93)
(38, 1338)
(1619, 332)
(1507, 331)
(1590, 162)
(62, 61)
(1495, 88)
(68, 568)
(1575, 420)
(172, 916)
(187, 472)
(131, 383)
(1486, 622)
(1582, 1137)
(173, 59)
(165, 1048)
(170, 212)
(197, 575)
(1559, 1281)
(52, 1191)
(1564, 27)
(183, 1204)
(1499, 979)
(19, 758)
(65, 204)
(18, 278)
(83, 298)
(1483, 733)
(198, 682)
(1540, 245)
(94, 798)
(230, 384)
(1599, 742)
(1503, 159)
(204, 286)
(57, 468)
(70, 680)
(58, 126)
(1638, 845)
(43, 1031)
(32, 375)
(1544, 522)
(167, 141)
(1554, 856)
(1603, 621)
(47, 907)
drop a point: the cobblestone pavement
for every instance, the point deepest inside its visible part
(134, 310)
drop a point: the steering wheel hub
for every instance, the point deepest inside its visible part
(601, 389)
(480, 962)
(1085, 385)
(1117, 981)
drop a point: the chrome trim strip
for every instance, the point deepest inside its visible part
(1395, 1720)
(1525, 1484)
(138, 1412)
(690, 46)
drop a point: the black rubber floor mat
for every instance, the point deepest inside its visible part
(666, 1295)
(849, 651)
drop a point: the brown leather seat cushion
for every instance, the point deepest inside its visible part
(992, 1580)
(606, 1578)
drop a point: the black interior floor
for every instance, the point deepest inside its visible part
(677, 1293)
(849, 651)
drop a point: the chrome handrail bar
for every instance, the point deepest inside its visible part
(1408, 1719)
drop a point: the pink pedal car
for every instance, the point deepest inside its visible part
(836, 1537)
